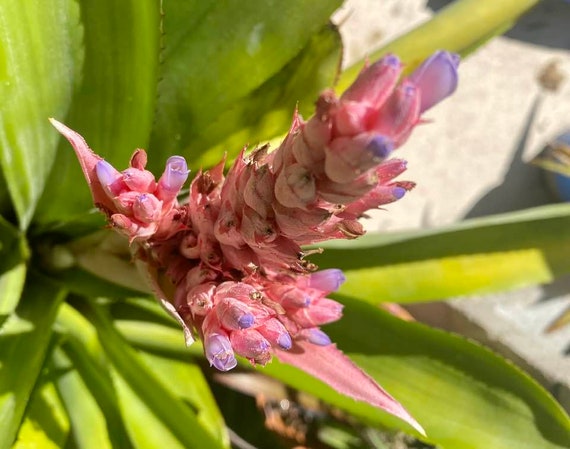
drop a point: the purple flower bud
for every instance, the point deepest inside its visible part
(249, 343)
(173, 178)
(139, 180)
(276, 333)
(436, 78)
(106, 173)
(327, 280)
(147, 208)
(176, 173)
(284, 341)
(219, 351)
(398, 192)
(400, 113)
(234, 314)
(380, 146)
(246, 321)
(375, 83)
(317, 337)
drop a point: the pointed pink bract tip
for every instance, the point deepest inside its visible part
(332, 366)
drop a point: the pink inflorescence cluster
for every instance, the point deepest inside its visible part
(232, 253)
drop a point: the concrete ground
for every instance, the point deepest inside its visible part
(473, 161)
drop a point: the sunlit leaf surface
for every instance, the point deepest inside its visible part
(465, 396)
(474, 257)
(24, 340)
(40, 58)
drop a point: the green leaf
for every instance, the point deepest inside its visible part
(474, 257)
(11, 287)
(81, 346)
(88, 422)
(267, 111)
(13, 247)
(46, 424)
(14, 253)
(465, 396)
(96, 265)
(172, 413)
(187, 381)
(219, 52)
(24, 339)
(461, 27)
(147, 431)
(158, 338)
(113, 108)
(5, 201)
(39, 65)
(82, 282)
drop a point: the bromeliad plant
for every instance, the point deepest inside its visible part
(86, 362)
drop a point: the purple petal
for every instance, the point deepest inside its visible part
(317, 337)
(246, 321)
(327, 280)
(284, 341)
(398, 192)
(436, 78)
(234, 314)
(175, 174)
(380, 146)
(219, 352)
(106, 173)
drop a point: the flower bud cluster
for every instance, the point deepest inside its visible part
(253, 316)
(232, 253)
(143, 207)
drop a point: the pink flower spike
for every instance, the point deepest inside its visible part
(436, 78)
(228, 262)
(330, 365)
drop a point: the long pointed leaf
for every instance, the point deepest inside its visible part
(147, 431)
(81, 346)
(13, 256)
(187, 382)
(217, 52)
(24, 340)
(474, 257)
(46, 424)
(266, 112)
(176, 416)
(39, 64)
(87, 419)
